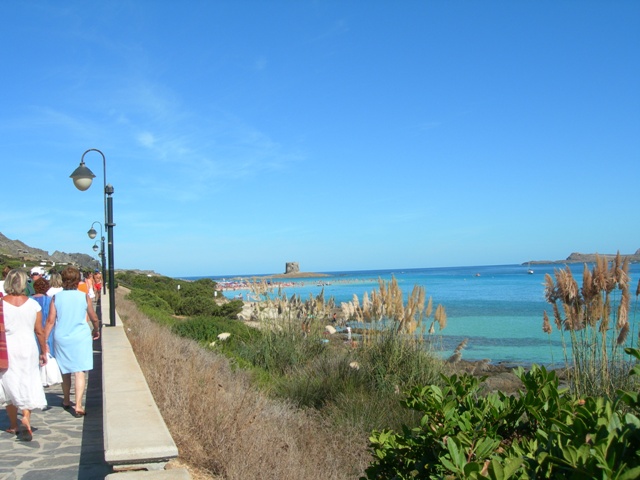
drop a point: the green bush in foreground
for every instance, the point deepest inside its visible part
(540, 433)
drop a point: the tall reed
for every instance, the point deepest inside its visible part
(394, 350)
(594, 324)
(386, 308)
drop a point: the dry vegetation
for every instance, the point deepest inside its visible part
(225, 427)
(595, 317)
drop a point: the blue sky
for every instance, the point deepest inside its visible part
(344, 135)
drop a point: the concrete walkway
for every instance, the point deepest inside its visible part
(63, 447)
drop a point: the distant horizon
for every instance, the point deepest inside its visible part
(331, 271)
(391, 270)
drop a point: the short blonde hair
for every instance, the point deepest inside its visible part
(16, 282)
(55, 280)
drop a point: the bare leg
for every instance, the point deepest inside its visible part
(66, 389)
(79, 389)
(26, 418)
(12, 412)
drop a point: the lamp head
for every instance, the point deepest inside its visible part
(92, 233)
(82, 177)
(95, 247)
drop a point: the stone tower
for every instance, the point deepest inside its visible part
(292, 267)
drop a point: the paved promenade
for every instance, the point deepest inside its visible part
(63, 447)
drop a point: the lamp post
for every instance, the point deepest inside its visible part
(92, 234)
(82, 179)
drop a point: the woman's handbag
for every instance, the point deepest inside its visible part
(4, 354)
(50, 373)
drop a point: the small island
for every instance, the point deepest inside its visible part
(292, 270)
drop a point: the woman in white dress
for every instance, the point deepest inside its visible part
(21, 382)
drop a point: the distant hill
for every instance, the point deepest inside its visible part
(589, 258)
(30, 255)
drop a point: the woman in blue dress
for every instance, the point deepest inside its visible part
(69, 313)
(41, 287)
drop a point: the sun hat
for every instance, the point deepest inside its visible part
(38, 270)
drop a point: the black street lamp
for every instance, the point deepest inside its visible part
(82, 179)
(92, 234)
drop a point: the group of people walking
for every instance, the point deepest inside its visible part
(38, 319)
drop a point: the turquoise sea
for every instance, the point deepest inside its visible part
(499, 308)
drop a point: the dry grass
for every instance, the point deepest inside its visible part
(596, 319)
(227, 428)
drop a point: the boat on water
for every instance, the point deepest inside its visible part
(529, 269)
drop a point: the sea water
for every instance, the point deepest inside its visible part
(497, 309)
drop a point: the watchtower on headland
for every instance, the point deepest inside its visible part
(292, 267)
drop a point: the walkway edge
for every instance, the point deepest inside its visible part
(135, 434)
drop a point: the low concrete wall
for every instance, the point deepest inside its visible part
(135, 435)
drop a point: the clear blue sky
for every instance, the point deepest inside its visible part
(343, 135)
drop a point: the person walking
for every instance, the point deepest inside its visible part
(72, 338)
(21, 381)
(5, 271)
(36, 273)
(97, 285)
(41, 287)
(55, 282)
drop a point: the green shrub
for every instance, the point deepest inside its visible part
(144, 298)
(204, 287)
(201, 329)
(366, 410)
(192, 306)
(393, 361)
(230, 309)
(279, 351)
(540, 433)
(320, 380)
(155, 282)
(172, 297)
(206, 330)
(205, 306)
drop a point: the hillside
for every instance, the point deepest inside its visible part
(589, 258)
(15, 249)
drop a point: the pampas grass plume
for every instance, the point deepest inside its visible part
(441, 317)
(546, 326)
(624, 331)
